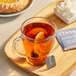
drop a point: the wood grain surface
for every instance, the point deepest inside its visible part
(65, 60)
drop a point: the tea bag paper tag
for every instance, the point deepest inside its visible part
(50, 62)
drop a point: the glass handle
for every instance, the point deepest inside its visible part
(19, 51)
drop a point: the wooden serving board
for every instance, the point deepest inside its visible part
(65, 60)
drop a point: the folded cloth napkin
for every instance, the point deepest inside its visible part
(67, 38)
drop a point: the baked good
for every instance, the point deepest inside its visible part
(11, 6)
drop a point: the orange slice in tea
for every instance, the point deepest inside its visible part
(35, 53)
(39, 45)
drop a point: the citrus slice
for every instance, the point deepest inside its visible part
(35, 53)
(37, 44)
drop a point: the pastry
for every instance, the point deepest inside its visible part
(11, 6)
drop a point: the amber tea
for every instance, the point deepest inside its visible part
(40, 44)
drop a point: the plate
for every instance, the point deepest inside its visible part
(17, 13)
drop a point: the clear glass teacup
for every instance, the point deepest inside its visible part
(37, 36)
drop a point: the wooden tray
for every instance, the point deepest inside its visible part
(65, 60)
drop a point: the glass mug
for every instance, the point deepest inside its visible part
(37, 36)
